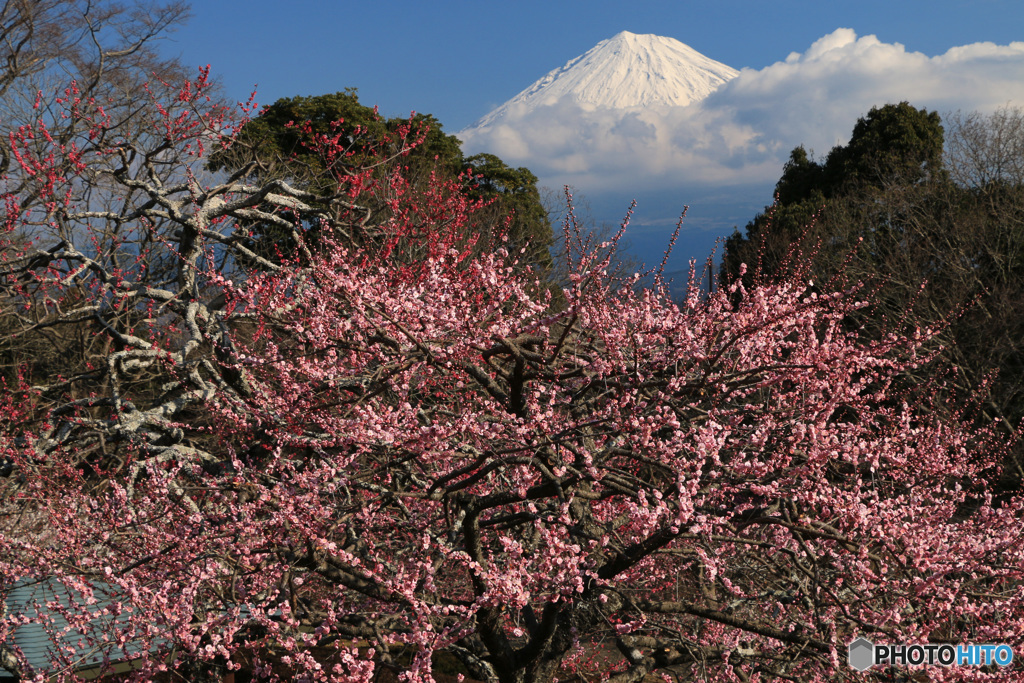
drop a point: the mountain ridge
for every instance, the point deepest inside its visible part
(625, 71)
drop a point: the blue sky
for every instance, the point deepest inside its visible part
(459, 59)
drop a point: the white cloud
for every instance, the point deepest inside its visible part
(744, 131)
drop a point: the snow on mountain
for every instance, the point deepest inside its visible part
(623, 72)
(635, 117)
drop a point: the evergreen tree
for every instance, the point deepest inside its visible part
(281, 143)
(941, 237)
(893, 145)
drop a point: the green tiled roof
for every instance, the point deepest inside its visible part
(62, 631)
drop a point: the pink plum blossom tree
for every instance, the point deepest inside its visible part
(393, 446)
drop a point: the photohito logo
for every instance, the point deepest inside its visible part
(864, 654)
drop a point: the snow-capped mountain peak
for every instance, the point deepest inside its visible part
(627, 70)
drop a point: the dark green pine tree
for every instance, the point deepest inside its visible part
(274, 145)
(893, 145)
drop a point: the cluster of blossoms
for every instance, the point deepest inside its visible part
(398, 442)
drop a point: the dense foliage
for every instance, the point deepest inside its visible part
(284, 142)
(939, 234)
(891, 145)
(389, 447)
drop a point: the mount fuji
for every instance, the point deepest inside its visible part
(624, 121)
(646, 117)
(624, 72)
(620, 120)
